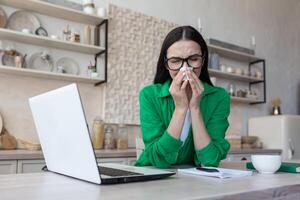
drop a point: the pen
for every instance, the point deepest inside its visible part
(207, 169)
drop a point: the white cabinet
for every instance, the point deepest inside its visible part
(30, 166)
(8, 167)
(112, 160)
(124, 161)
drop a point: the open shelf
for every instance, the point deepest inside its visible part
(48, 75)
(244, 100)
(236, 55)
(232, 76)
(6, 34)
(53, 10)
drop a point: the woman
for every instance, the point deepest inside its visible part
(183, 116)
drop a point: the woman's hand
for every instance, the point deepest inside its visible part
(197, 89)
(178, 91)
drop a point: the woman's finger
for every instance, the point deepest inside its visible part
(184, 84)
(179, 78)
(193, 85)
(197, 80)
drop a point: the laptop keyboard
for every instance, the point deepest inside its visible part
(116, 172)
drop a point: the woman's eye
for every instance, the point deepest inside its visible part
(175, 60)
(194, 59)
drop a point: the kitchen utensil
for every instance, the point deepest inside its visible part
(3, 18)
(266, 164)
(41, 32)
(41, 61)
(20, 20)
(69, 65)
(8, 57)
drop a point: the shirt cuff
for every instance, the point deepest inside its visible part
(169, 143)
(206, 151)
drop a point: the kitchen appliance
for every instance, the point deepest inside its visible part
(278, 132)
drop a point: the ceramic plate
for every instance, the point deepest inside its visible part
(39, 62)
(1, 123)
(20, 20)
(3, 18)
(69, 65)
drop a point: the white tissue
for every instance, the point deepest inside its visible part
(185, 69)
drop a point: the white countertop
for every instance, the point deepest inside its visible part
(48, 185)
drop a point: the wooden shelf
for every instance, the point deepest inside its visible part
(243, 100)
(53, 10)
(48, 75)
(232, 76)
(236, 55)
(6, 34)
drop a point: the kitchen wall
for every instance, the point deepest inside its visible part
(273, 22)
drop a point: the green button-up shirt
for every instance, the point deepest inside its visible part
(161, 149)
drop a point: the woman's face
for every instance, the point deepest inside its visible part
(184, 49)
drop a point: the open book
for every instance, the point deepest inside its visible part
(215, 172)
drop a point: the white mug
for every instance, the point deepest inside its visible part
(101, 12)
(26, 30)
(54, 37)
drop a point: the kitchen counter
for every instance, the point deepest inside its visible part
(48, 185)
(28, 155)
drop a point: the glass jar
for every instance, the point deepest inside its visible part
(98, 133)
(122, 141)
(109, 140)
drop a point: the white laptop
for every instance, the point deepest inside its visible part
(64, 135)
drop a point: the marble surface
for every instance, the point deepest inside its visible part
(48, 185)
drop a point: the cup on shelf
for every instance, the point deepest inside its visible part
(101, 12)
(87, 2)
(223, 68)
(55, 37)
(245, 72)
(94, 74)
(229, 69)
(238, 71)
(231, 89)
(258, 74)
(89, 8)
(26, 31)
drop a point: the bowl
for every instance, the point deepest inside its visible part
(266, 164)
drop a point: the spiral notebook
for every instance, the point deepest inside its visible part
(215, 172)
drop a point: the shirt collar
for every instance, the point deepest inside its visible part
(164, 92)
